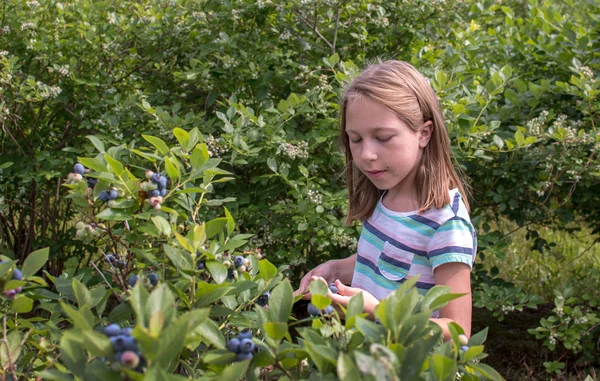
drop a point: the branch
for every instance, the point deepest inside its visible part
(315, 29)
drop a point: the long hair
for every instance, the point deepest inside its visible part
(400, 87)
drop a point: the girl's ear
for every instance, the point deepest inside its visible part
(425, 133)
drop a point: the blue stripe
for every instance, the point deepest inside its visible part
(367, 225)
(451, 249)
(455, 203)
(394, 262)
(425, 221)
(410, 222)
(365, 262)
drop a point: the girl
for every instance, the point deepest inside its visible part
(403, 186)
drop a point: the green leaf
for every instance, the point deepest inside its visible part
(97, 143)
(72, 353)
(217, 270)
(138, 299)
(98, 344)
(172, 170)
(34, 262)
(162, 225)
(82, 294)
(230, 222)
(213, 227)
(519, 138)
(272, 164)
(235, 371)
(346, 369)
(161, 300)
(79, 318)
(158, 143)
(318, 287)
(479, 338)
(498, 141)
(22, 304)
(209, 330)
(281, 301)
(199, 156)
(109, 214)
(115, 165)
(181, 259)
(266, 270)
(443, 367)
(95, 164)
(276, 330)
(486, 371)
(183, 137)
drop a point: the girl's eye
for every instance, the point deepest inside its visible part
(383, 140)
(355, 141)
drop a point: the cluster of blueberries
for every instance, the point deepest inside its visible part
(242, 345)
(126, 350)
(161, 184)
(16, 275)
(152, 278)
(80, 170)
(108, 195)
(314, 311)
(115, 261)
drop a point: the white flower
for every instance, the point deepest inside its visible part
(33, 4)
(27, 25)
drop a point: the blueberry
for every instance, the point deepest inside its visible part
(333, 288)
(163, 192)
(17, 274)
(112, 330)
(154, 193)
(111, 258)
(230, 274)
(122, 263)
(103, 196)
(10, 293)
(238, 261)
(79, 168)
(201, 265)
(234, 345)
(118, 342)
(312, 310)
(92, 182)
(153, 278)
(132, 280)
(127, 331)
(162, 182)
(464, 348)
(113, 194)
(263, 300)
(328, 310)
(245, 335)
(130, 344)
(246, 345)
(244, 356)
(155, 178)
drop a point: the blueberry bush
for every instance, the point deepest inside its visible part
(254, 85)
(174, 291)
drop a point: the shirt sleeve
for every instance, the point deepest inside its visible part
(454, 241)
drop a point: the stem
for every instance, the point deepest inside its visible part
(8, 357)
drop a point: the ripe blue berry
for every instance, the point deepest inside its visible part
(132, 280)
(238, 261)
(17, 274)
(122, 263)
(79, 168)
(118, 343)
(155, 178)
(234, 345)
(127, 331)
(154, 193)
(113, 194)
(162, 182)
(92, 182)
(333, 288)
(103, 196)
(328, 310)
(464, 348)
(201, 265)
(153, 278)
(130, 344)
(163, 192)
(246, 345)
(112, 330)
(312, 310)
(263, 300)
(245, 335)
(244, 356)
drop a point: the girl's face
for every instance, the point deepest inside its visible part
(383, 147)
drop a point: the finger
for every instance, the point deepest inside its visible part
(345, 290)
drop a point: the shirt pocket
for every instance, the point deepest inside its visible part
(394, 263)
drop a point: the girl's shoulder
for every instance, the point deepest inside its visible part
(456, 208)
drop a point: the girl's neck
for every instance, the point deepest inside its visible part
(401, 200)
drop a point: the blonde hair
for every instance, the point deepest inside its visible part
(400, 87)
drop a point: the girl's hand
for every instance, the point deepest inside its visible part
(324, 271)
(344, 294)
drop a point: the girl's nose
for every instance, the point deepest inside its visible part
(368, 152)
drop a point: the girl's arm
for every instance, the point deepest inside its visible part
(457, 276)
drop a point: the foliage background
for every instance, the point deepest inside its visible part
(260, 80)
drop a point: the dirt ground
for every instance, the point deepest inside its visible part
(516, 353)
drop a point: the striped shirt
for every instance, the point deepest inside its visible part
(395, 246)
